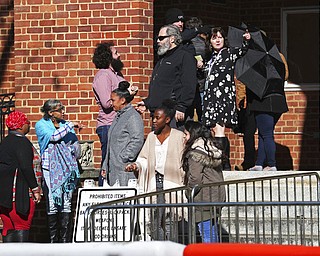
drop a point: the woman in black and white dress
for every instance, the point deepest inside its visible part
(219, 94)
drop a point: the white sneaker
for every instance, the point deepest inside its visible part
(256, 168)
(270, 169)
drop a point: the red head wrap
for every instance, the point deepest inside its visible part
(16, 120)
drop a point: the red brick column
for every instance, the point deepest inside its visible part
(54, 43)
(6, 46)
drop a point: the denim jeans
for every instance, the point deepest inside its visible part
(102, 132)
(208, 231)
(266, 123)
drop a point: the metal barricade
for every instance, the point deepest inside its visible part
(7, 105)
(281, 209)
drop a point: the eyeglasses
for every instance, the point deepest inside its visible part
(58, 109)
(160, 38)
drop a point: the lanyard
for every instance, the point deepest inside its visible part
(212, 62)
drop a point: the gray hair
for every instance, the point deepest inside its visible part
(50, 105)
(174, 31)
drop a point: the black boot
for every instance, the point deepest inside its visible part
(64, 218)
(53, 228)
(224, 142)
(22, 236)
(10, 237)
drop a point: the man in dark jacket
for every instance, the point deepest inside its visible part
(174, 76)
(174, 16)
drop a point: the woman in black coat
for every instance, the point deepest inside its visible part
(267, 111)
(19, 189)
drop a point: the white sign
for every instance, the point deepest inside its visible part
(110, 225)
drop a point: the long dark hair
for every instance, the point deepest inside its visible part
(198, 130)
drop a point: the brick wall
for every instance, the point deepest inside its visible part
(210, 13)
(55, 39)
(297, 132)
(54, 43)
(6, 46)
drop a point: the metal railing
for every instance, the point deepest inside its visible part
(281, 209)
(7, 105)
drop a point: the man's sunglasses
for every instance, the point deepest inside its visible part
(160, 38)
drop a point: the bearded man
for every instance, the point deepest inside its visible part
(107, 59)
(173, 77)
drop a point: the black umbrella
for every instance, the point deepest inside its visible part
(261, 67)
(235, 34)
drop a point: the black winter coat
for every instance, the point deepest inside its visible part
(174, 77)
(16, 152)
(274, 100)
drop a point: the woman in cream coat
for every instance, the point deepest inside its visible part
(158, 165)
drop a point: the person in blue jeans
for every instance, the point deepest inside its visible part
(266, 123)
(202, 162)
(107, 59)
(267, 111)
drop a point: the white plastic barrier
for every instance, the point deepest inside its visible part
(155, 248)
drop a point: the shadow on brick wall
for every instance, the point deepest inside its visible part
(8, 40)
(283, 158)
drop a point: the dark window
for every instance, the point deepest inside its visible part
(301, 36)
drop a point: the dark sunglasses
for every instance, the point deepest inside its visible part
(160, 38)
(60, 109)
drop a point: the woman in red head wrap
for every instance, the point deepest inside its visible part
(19, 188)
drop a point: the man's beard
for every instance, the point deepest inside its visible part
(117, 65)
(162, 49)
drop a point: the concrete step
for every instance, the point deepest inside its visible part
(291, 240)
(283, 211)
(280, 189)
(273, 231)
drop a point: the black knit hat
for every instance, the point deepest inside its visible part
(174, 15)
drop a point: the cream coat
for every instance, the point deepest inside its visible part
(173, 173)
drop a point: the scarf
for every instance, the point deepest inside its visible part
(44, 131)
(64, 171)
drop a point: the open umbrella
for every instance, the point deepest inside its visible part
(261, 69)
(235, 34)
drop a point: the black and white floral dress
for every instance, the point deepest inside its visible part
(220, 94)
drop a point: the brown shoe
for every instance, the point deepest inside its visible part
(239, 167)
